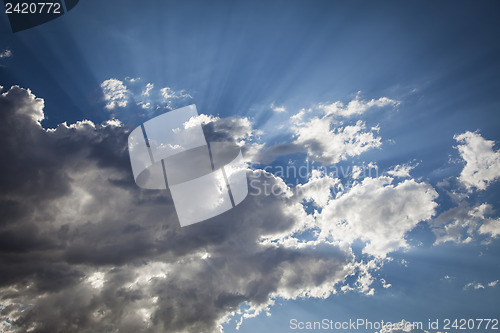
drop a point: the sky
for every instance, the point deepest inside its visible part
(389, 108)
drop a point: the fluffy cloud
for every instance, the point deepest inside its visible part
(463, 223)
(328, 140)
(83, 248)
(468, 222)
(24, 103)
(115, 93)
(120, 94)
(490, 227)
(482, 163)
(332, 145)
(168, 93)
(377, 212)
(318, 189)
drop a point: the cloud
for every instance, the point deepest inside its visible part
(277, 108)
(6, 54)
(332, 145)
(468, 222)
(237, 129)
(83, 248)
(473, 285)
(24, 103)
(463, 224)
(328, 140)
(317, 189)
(201, 119)
(121, 93)
(490, 227)
(168, 94)
(476, 285)
(115, 93)
(377, 212)
(404, 326)
(148, 88)
(402, 170)
(318, 132)
(355, 106)
(482, 163)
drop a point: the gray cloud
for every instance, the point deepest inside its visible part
(84, 249)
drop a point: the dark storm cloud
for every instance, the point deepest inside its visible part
(83, 249)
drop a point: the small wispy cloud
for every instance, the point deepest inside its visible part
(401, 170)
(276, 108)
(148, 88)
(476, 285)
(6, 53)
(168, 93)
(355, 106)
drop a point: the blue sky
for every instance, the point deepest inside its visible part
(438, 62)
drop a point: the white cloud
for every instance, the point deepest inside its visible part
(277, 108)
(482, 163)
(168, 94)
(490, 227)
(201, 119)
(148, 88)
(474, 285)
(378, 212)
(96, 280)
(462, 223)
(115, 93)
(401, 170)
(332, 145)
(385, 284)
(404, 326)
(317, 189)
(144, 105)
(6, 53)
(118, 94)
(355, 107)
(328, 140)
